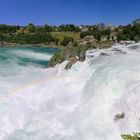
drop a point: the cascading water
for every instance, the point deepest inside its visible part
(78, 104)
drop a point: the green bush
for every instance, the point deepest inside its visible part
(30, 38)
(55, 59)
(135, 136)
(66, 41)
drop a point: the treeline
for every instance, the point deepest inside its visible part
(31, 28)
(129, 32)
(8, 29)
(29, 38)
(32, 34)
(46, 28)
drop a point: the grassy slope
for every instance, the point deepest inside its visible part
(61, 35)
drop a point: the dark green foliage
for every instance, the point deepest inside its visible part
(31, 28)
(48, 28)
(105, 32)
(75, 43)
(8, 29)
(55, 59)
(29, 38)
(68, 28)
(66, 41)
(129, 33)
(56, 41)
(1, 37)
(135, 136)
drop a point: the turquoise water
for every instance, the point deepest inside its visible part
(27, 55)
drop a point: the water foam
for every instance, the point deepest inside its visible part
(31, 54)
(78, 104)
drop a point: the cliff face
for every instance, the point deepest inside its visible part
(72, 54)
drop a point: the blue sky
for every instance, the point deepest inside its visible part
(78, 12)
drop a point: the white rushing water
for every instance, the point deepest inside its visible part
(78, 104)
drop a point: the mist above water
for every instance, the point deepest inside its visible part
(78, 104)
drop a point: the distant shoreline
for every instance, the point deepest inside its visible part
(14, 45)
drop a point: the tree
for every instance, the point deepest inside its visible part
(68, 28)
(47, 28)
(1, 37)
(31, 28)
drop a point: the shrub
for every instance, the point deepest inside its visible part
(135, 136)
(66, 41)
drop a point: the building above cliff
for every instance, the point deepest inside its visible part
(89, 39)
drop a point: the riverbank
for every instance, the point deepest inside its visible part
(71, 53)
(25, 45)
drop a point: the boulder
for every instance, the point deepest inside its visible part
(68, 66)
(82, 56)
(71, 62)
(119, 116)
